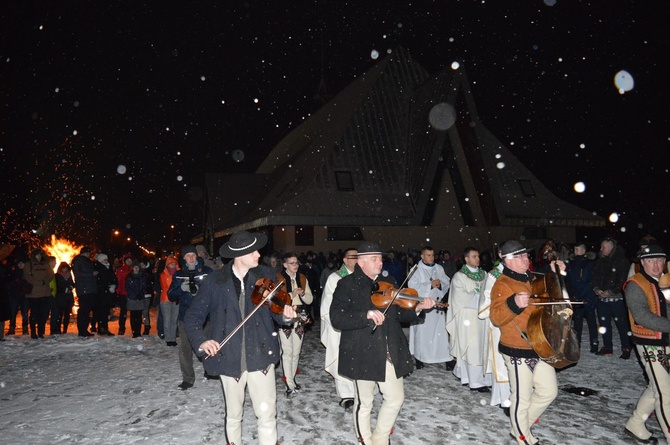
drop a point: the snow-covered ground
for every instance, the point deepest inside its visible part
(119, 390)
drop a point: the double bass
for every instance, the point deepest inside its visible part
(549, 328)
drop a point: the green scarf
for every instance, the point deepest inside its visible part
(474, 276)
(343, 272)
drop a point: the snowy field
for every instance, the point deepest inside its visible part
(119, 390)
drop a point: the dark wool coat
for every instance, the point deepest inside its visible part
(218, 299)
(362, 354)
(610, 272)
(84, 279)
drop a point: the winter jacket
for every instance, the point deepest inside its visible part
(166, 279)
(121, 274)
(64, 287)
(136, 285)
(363, 354)
(105, 278)
(39, 274)
(510, 318)
(84, 279)
(610, 272)
(218, 299)
(184, 275)
(580, 273)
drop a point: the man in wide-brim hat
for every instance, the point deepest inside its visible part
(248, 358)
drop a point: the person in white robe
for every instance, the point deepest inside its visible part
(495, 364)
(464, 326)
(429, 341)
(330, 337)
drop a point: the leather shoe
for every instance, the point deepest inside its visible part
(625, 354)
(605, 351)
(419, 364)
(450, 365)
(594, 348)
(185, 385)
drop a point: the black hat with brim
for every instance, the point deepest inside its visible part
(242, 243)
(513, 247)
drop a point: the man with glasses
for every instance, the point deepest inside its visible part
(533, 384)
(373, 346)
(291, 335)
(648, 312)
(609, 274)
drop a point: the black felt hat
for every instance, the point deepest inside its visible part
(242, 243)
(368, 248)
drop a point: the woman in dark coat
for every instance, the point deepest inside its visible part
(136, 284)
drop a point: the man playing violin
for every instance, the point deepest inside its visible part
(248, 359)
(373, 347)
(533, 383)
(291, 335)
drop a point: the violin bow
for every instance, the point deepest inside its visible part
(409, 275)
(239, 326)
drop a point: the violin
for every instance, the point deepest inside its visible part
(276, 302)
(406, 298)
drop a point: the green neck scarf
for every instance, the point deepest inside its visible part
(343, 272)
(474, 276)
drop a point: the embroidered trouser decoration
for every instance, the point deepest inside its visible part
(533, 387)
(657, 366)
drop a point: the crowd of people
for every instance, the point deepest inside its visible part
(470, 313)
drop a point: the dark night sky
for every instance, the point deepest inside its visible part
(171, 90)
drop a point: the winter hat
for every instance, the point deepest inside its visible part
(200, 249)
(101, 257)
(242, 243)
(188, 249)
(85, 250)
(513, 247)
(652, 251)
(369, 249)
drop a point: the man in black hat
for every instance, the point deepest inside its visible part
(380, 358)
(533, 384)
(648, 313)
(248, 359)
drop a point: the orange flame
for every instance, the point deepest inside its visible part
(62, 249)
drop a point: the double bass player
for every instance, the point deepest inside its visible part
(533, 383)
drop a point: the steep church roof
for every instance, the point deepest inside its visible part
(371, 157)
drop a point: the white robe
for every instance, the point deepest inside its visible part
(466, 331)
(495, 364)
(330, 337)
(429, 341)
